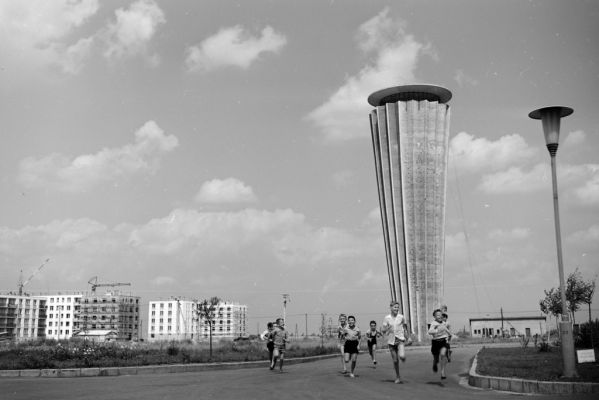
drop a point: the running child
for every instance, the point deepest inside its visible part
(280, 339)
(341, 339)
(352, 343)
(446, 321)
(394, 326)
(270, 344)
(371, 336)
(440, 335)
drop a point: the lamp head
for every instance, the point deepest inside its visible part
(550, 117)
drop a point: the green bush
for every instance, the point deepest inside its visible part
(588, 335)
(81, 354)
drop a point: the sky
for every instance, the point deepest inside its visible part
(222, 148)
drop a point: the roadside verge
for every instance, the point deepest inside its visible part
(148, 369)
(526, 385)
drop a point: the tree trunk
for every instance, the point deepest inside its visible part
(591, 327)
(210, 324)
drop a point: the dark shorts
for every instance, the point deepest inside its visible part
(270, 346)
(280, 348)
(351, 347)
(437, 345)
(371, 343)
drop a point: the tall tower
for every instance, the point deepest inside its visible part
(410, 134)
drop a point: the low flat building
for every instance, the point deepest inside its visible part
(508, 326)
(98, 335)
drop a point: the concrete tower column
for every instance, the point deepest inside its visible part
(410, 135)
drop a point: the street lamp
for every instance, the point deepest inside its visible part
(286, 299)
(550, 117)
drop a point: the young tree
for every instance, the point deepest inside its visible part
(206, 310)
(552, 303)
(587, 296)
(577, 293)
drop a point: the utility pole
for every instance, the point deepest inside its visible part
(502, 334)
(306, 316)
(286, 299)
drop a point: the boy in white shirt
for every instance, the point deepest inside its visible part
(394, 326)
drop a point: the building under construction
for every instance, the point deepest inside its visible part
(22, 317)
(111, 310)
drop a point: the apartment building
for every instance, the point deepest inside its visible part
(61, 314)
(172, 319)
(111, 310)
(22, 317)
(230, 321)
(178, 319)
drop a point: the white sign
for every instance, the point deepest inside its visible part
(585, 355)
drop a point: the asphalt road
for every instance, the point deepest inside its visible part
(313, 380)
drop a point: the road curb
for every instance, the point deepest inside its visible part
(148, 369)
(526, 385)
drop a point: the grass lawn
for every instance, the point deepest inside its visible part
(529, 363)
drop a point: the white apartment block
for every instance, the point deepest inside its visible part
(230, 322)
(173, 319)
(22, 317)
(177, 319)
(61, 313)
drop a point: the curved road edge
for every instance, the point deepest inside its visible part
(148, 369)
(526, 385)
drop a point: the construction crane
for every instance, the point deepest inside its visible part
(94, 282)
(22, 283)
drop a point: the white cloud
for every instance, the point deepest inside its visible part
(163, 281)
(577, 183)
(464, 79)
(395, 56)
(588, 236)
(230, 190)
(74, 56)
(575, 138)
(196, 248)
(34, 33)
(516, 180)
(234, 47)
(587, 192)
(76, 174)
(343, 178)
(471, 155)
(133, 29)
(514, 234)
(185, 230)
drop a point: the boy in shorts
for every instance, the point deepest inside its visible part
(394, 327)
(341, 339)
(371, 336)
(352, 343)
(280, 339)
(445, 320)
(440, 336)
(270, 344)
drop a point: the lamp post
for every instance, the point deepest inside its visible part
(551, 117)
(286, 299)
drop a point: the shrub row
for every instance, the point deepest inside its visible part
(78, 354)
